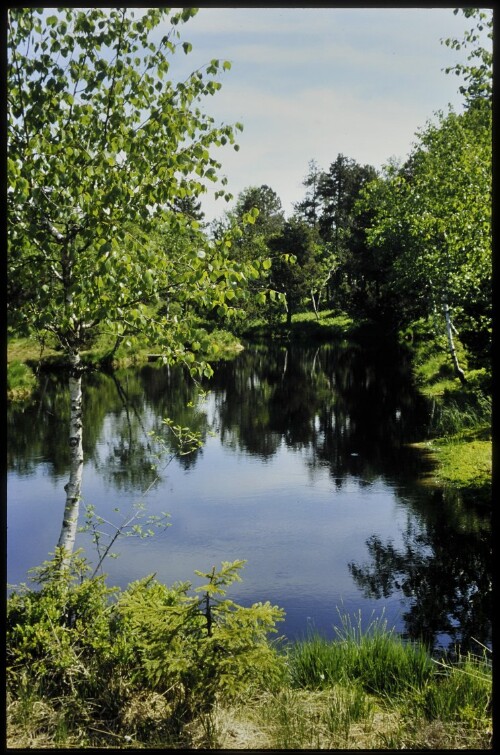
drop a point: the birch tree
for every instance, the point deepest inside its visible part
(436, 209)
(102, 145)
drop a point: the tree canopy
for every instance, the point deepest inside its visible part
(431, 216)
(109, 156)
(104, 147)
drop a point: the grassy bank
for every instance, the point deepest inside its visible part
(305, 327)
(90, 667)
(25, 356)
(460, 431)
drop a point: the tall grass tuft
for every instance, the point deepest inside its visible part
(458, 413)
(289, 723)
(379, 659)
(347, 706)
(462, 691)
(316, 663)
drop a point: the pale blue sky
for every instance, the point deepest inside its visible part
(309, 83)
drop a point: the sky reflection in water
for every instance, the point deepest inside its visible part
(304, 464)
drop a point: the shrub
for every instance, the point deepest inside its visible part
(60, 632)
(98, 654)
(200, 647)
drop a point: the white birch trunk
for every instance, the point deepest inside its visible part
(451, 343)
(67, 538)
(315, 305)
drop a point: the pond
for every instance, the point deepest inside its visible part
(307, 471)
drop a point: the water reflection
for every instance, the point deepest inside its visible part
(444, 568)
(306, 470)
(352, 413)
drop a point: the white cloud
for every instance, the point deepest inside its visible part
(282, 135)
(312, 82)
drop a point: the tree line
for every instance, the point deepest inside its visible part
(109, 157)
(409, 242)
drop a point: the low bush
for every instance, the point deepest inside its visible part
(96, 651)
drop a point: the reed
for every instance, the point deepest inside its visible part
(377, 658)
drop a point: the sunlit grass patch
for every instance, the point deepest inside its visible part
(21, 380)
(327, 317)
(304, 326)
(27, 350)
(377, 658)
(434, 372)
(464, 462)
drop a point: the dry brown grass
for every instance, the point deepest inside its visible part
(254, 725)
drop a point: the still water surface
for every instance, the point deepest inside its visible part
(306, 471)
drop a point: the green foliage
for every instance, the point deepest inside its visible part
(61, 631)
(300, 265)
(270, 219)
(256, 219)
(432, 226)
(91, 653)
(433, 705)
(478, 71)
(351, 274)
(459, 412)
(464, 463)
(201, 647)
(376, 658)
(104, 149)
(88, 666)
(430, 218)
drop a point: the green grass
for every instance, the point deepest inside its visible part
(461, 419)
(24, 355)
(305, 326)
(462, 691)
(376, 658)
(21, 380)
(27, 350)
(450, 710)
(462, 462)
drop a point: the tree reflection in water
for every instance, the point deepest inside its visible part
(350, 409)
(444, 569)
(347, 411)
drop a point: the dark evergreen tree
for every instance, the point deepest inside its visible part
(309, 209)
(344, 228)
(298, 264)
